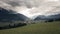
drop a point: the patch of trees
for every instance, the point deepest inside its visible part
(13, 25)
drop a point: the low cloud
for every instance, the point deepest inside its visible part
(32, 8)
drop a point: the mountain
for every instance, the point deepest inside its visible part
(40, 17)
(55, 17)
(9, 15)
(48, 18)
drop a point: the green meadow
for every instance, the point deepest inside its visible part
(38, 28)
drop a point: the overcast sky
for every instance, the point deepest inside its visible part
(32, 8)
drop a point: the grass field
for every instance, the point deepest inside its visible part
(38, 28)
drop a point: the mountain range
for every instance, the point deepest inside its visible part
(9, 15)
(48, 18)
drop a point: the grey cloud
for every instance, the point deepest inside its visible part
(27, 3)
(12, 3)
(40, 5)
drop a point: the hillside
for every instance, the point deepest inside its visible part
(9, 15)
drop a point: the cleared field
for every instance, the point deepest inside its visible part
(38, 28)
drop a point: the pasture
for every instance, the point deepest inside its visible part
(38, 28)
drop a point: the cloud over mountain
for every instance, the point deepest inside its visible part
(31, 8)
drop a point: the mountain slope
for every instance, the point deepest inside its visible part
(9, 15)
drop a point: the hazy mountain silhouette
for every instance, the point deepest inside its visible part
(8, 15)
(40, 17)
(54, 17)
(51, 17)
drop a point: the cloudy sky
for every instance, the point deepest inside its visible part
(32, 8)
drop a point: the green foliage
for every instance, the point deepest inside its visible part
(38, 28)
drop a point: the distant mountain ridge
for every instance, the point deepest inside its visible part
(51, 17)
